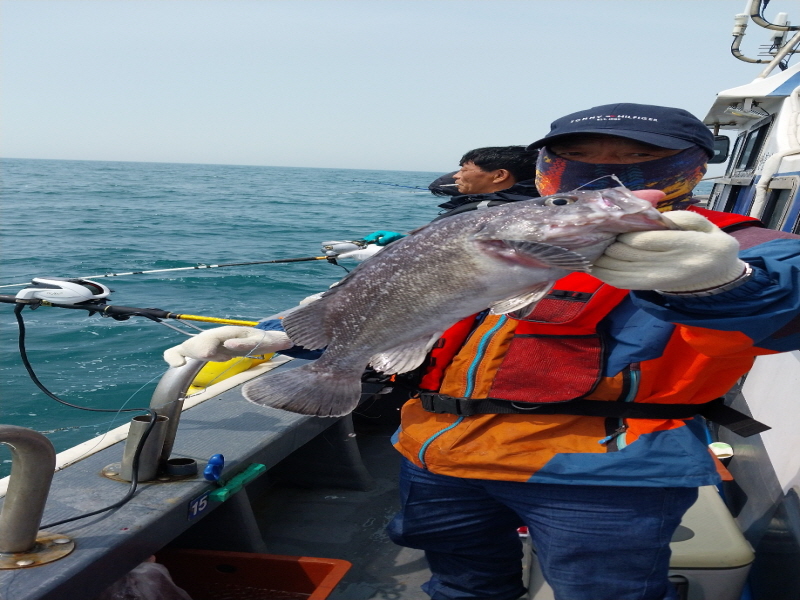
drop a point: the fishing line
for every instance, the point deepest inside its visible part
(612, 176)
(330, 259)
(178, 329)
(411, 187)
(109, 423)
(112, 421)
(134, 464)
(181, 331)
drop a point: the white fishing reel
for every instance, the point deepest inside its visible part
(59, 290)
(334, 248)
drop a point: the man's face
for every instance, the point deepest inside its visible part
(471, 179)
(607, 150)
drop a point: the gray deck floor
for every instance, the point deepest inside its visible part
(347, 524)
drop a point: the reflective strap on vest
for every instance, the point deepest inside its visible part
(715, 411)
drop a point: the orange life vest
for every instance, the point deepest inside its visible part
(559, 342)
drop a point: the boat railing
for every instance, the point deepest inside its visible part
(33, 460)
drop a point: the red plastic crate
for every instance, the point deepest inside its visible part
(212, 575)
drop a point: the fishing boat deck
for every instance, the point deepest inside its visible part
(329, 490)
(317, 498)
(348, 524)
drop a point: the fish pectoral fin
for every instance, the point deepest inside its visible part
(523, 304)
(550, 257)
(306, 325)
(407, 357)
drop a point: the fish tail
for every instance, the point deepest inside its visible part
(307, 390)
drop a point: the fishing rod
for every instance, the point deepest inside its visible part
(411, 187)
(330, 259)
(123, 313)
(85, 294)
(91, 296)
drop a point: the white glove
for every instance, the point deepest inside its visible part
(699, 256)
(363, 253)
(223, 343)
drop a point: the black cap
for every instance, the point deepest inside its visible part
(444, 185)
(672, 128)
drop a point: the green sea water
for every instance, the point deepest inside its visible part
(79, 218)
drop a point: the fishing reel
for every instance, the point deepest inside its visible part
(59, 290)
(334, 248)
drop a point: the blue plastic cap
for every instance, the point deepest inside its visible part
(213, 469)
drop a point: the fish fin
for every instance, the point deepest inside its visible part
(306, 325)
(549, 256)
(407, 357)
(522, 304)
(307, 390)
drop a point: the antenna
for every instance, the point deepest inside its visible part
(778, 49)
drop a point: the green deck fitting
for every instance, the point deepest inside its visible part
(237, 482)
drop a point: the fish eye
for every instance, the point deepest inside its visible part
(559, 200)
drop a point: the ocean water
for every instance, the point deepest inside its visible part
(79, 218)
(703, 188)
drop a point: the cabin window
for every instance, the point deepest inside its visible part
(775, 208)
(730, 201)
(736, 147)
(752, 147)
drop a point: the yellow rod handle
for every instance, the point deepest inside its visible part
(214, 320)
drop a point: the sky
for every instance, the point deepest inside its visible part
(362, 84)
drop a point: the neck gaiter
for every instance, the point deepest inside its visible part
(675, 175)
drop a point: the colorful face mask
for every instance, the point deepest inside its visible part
(675, 175)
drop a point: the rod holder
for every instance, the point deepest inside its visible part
(167, 400)
(149, 459)
(33, 462)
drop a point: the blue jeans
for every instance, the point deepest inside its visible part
(593, 542)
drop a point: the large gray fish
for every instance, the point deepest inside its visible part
(391, 309)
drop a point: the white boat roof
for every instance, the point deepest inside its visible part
(768, 93)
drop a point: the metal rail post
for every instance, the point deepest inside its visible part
(32, 467)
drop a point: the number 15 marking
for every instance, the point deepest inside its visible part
(198, 505)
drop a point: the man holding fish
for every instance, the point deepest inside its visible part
(548, 396)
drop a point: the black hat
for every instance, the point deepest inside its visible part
(661, 126)
(444, 185)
